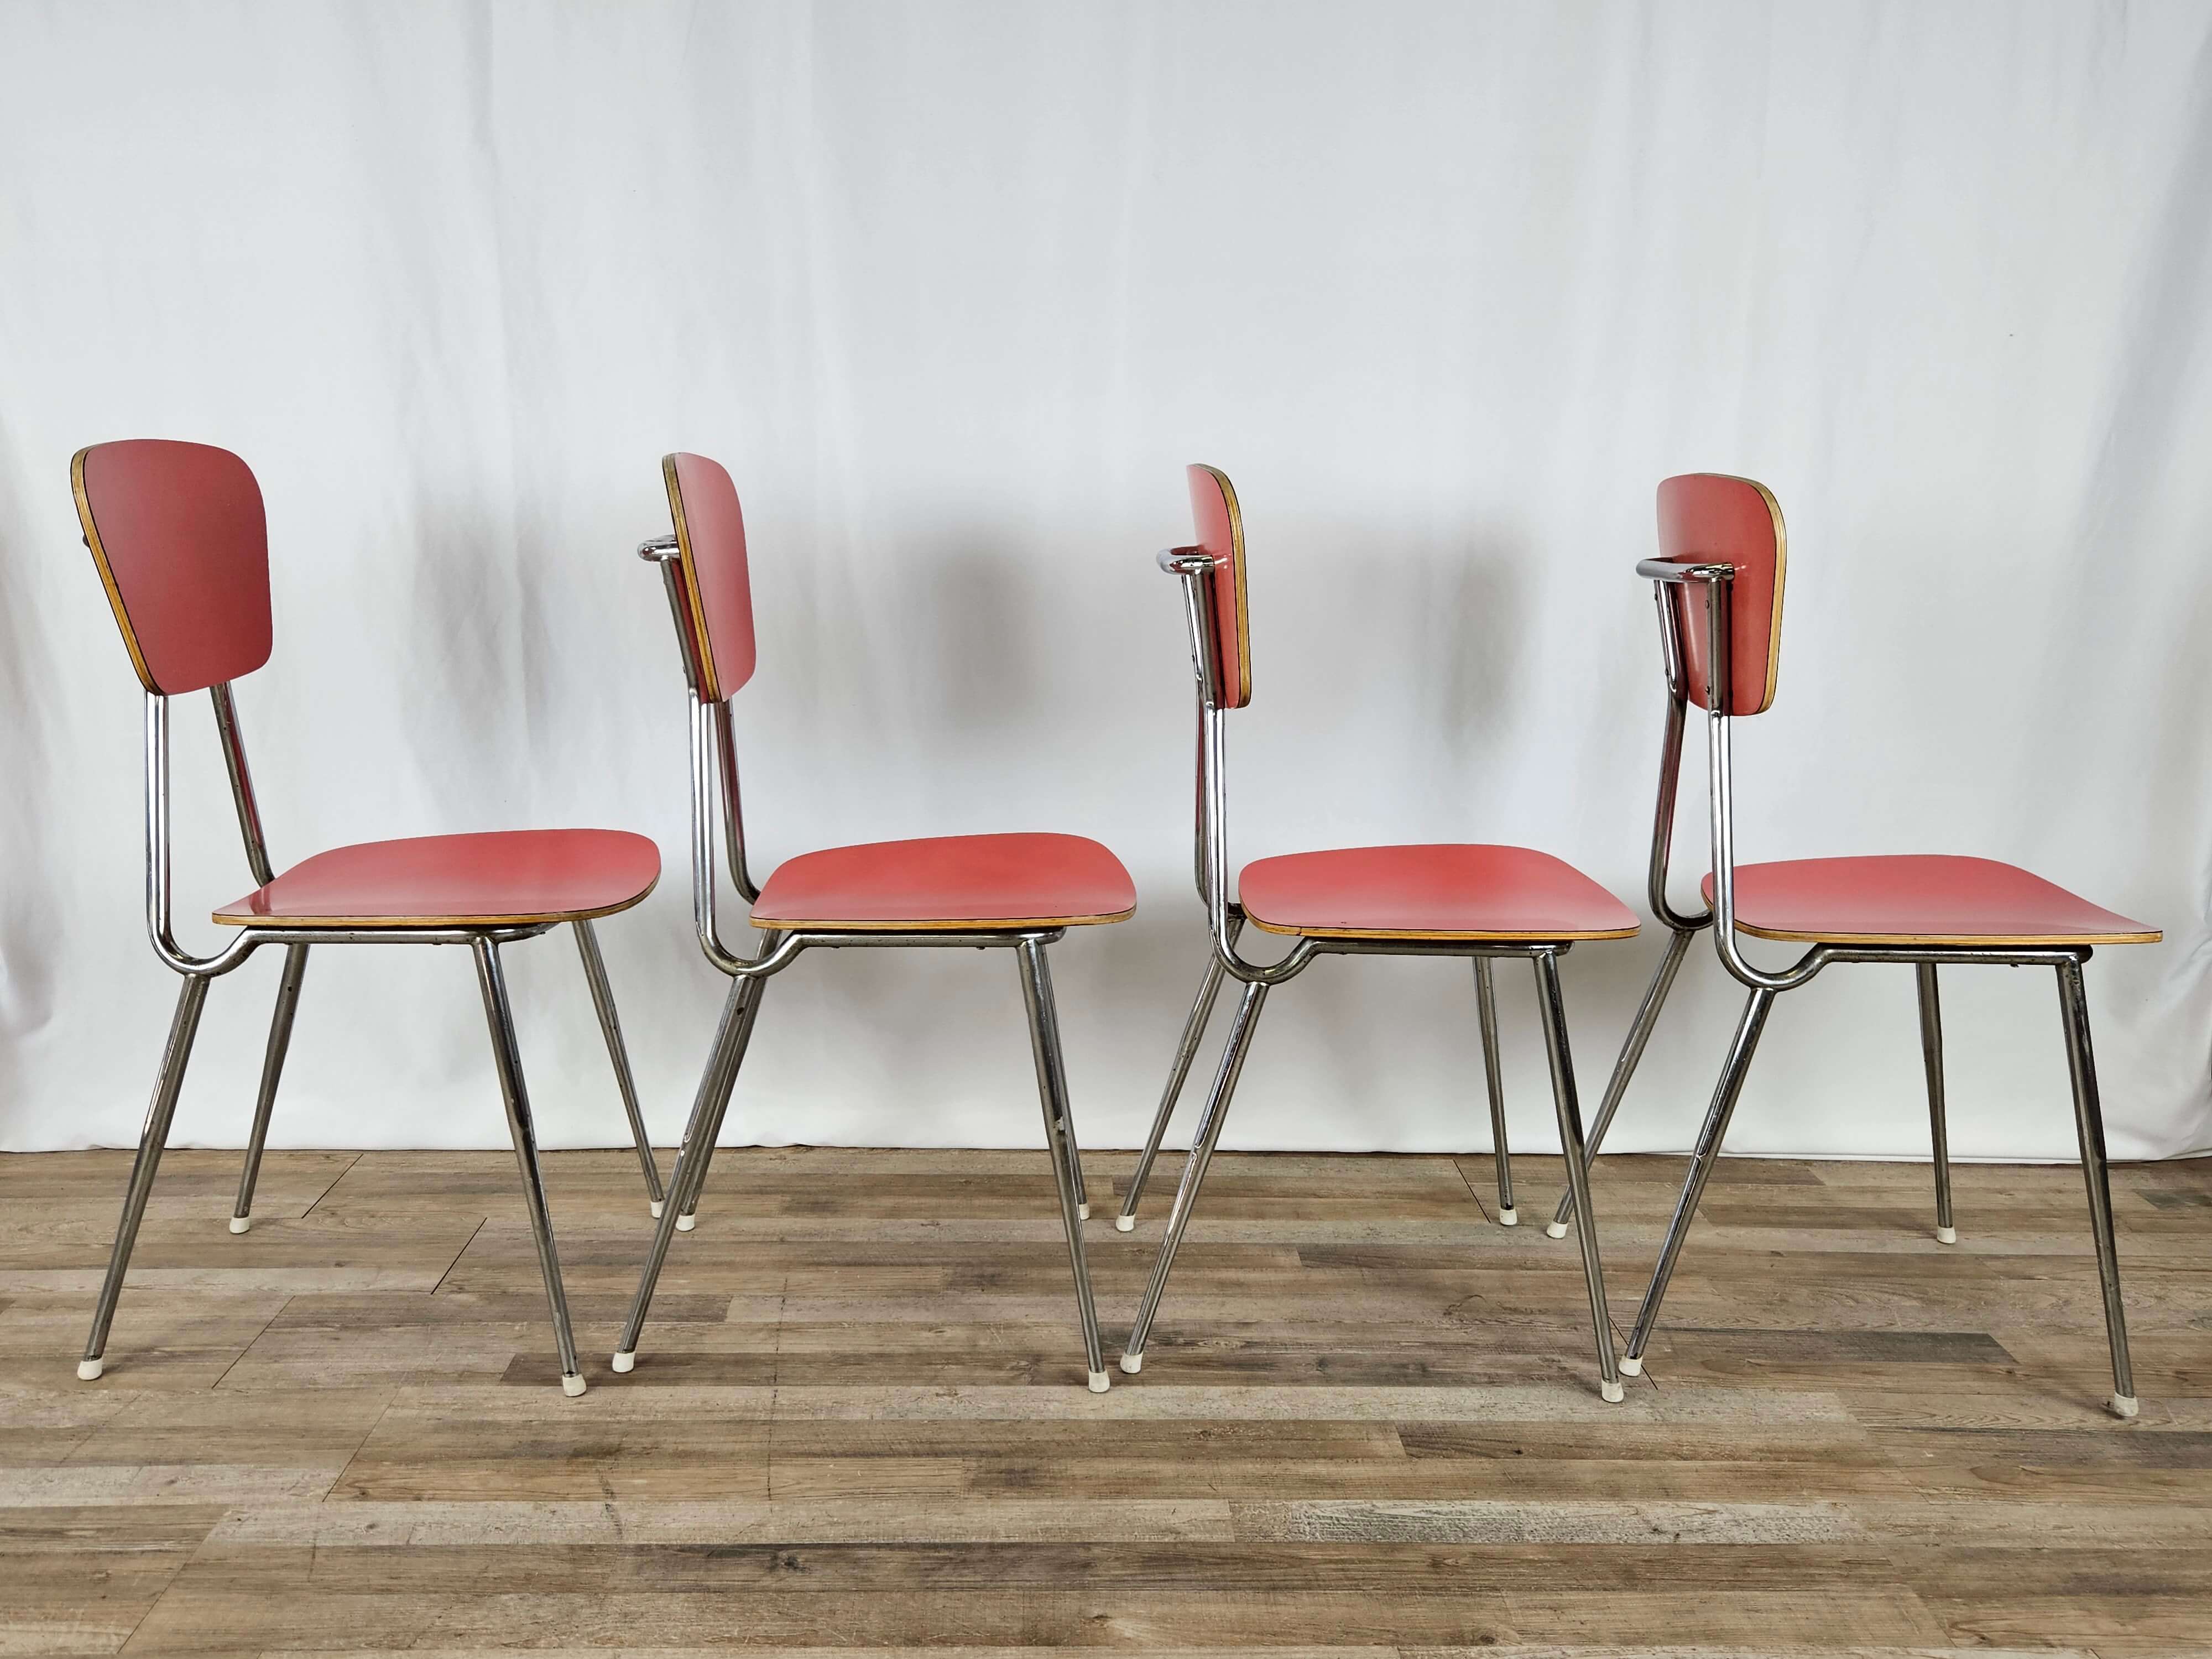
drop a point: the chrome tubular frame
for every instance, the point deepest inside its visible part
(1225, 922)
(198, 973)
(1764, 986)
(715, 778)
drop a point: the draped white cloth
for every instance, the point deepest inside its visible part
(955, 291)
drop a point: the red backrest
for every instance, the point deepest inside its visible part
(1709, 518)
(1221, 533)
(182, 545)
(710, 540)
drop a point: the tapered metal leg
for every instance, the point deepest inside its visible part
(1193, 1172)
(1931, 1058)
(2089, 1123)
(740, 1008)
(603, 998)
(1631, 1053)
(1702, 1160)
(1060, 1141)
(507, 1056)
(1193, 1030)
(1552, 1006)
(272, 1069)
(176, 1054)
(1485, 1005)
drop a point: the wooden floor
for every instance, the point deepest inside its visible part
(1368, 1420)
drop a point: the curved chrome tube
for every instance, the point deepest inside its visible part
(1190, 564)
(158, 929)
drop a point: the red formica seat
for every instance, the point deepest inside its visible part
(177, 534)
(501, 879)
(1443, 892)
(948, 882)
(1918, 899)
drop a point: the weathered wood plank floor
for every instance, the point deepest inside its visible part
(1369, 1424)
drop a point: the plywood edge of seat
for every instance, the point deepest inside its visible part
(521, 919)
(1978, 941)
(942, 925)
(1516, 936)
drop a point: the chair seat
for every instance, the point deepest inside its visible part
(1431, 892)
(508, 877)
(1918, 899)
(948, 882)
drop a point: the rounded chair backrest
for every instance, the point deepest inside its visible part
(710, 543)
(1221, 534)
(182, 545)
(1709, 518)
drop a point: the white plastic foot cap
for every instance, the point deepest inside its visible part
(625, 1361)
(1131, 1363)
(1555, 1230)
(1509, 1217)
(1947, 1235)
(655, 1207)
(241, 1223)
(1631, 1365)
(1100, 1382)
(685, 1224)
(1083, 1212)
(89, 1370)
(2123, 1406)
(1125, 1223)
(1614, 1393)
(571, 1386)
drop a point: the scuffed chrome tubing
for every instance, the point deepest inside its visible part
(157, 858)
(1194, 1032)
(703, 878)
(1551, 1005)
(507, 1056)
(1702, 1159)
(1060, 1142)
(242, 782)
(1631, 1055)
(603, 1001)
(1662, 821)
(733, 818)
(1485, 1008)
(176, 1055)
(1193, 1171)
(2089, 1125)
(273, 1070)
(1931, 1061)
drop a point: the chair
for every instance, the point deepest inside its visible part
(177, 534)
(1478, 902)
(1017, 892)
(1718, 581)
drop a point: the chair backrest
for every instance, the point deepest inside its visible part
(1221, 534)
(182, 545)
(1709, 518)
(710, 542)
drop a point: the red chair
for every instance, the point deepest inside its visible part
(1718, 581)
(1019, 892)
(177, 534)
(1478, 902)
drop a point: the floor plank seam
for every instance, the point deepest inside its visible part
(332, 1188)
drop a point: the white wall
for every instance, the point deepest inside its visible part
(955, 291)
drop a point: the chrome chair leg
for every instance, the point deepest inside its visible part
(1632, 1054)
(1485, 1005)
(272, 1069)
(740, 1008)
(507, 1054)
(1931, 1058)
(2089, 1124)
(1193, 1030)
(1552, 1006)
(1060, 1142)
(1193, 1172)
(1702, 1160)
(603, 998)
(176, 1054)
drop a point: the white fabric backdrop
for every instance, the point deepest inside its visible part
(955, 291)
